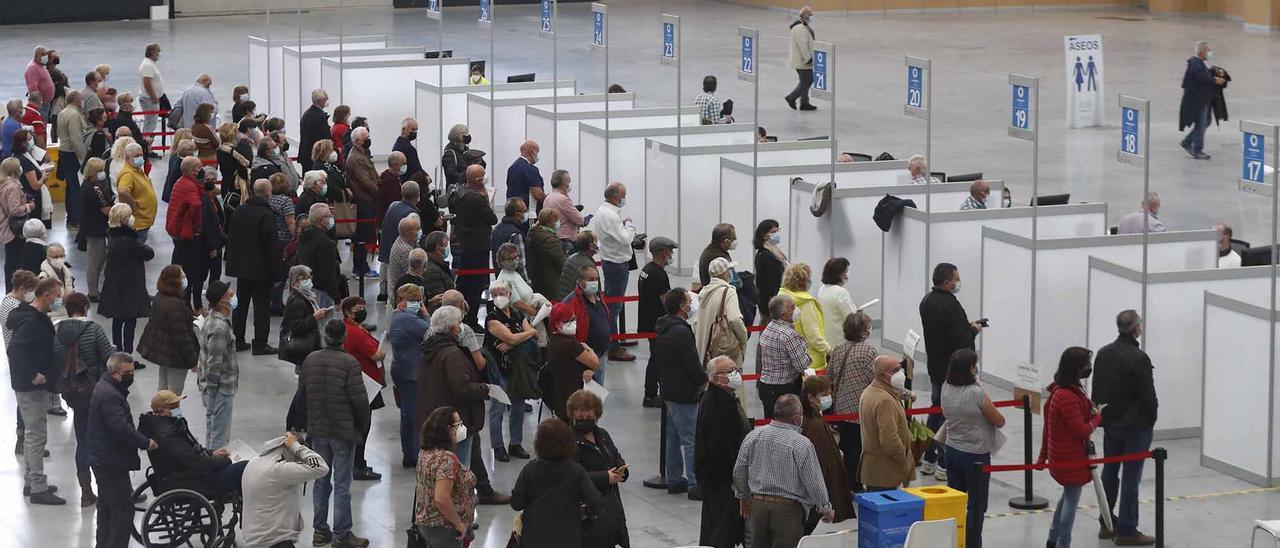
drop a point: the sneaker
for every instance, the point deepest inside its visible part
(675, 488)
(695, 493)
(1202, 156)
(518, 452)
(652, 402)
(928, 468)
(139, 366)
(58, 411)
(500, 454)
(621, 355)
(807, 106)
(265, 350)
(790, 102)
(1136, 539)
(351, 541)
(1187, 147)
(940, 474)
(321, 539)
(47, 497)
(26, 490)
(365, 474)
(372, 274)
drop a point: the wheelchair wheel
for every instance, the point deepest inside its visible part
(139, 508)
(181, 518)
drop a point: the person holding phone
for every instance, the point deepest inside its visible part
(605, 467)
(1069, 421)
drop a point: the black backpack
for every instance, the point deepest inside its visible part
(78, 379)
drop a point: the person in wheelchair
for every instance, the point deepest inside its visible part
(178, 461)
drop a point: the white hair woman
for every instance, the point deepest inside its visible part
(507, 336)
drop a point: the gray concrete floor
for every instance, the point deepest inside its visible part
(972, 54)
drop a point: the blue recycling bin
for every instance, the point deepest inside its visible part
(884, 517)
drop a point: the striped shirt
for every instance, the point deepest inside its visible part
(849, 367)
(6, 307)
(783, 353)
(971, 203)
(766, 462)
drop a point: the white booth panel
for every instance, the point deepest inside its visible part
(956, 237)
(266, 62)
(1175, 317)
(301, 75)
(381, 91)
(848, 230)
(508, 119)
(1062, 272)
(1236, 357)
(622, 157)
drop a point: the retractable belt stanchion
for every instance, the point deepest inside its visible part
(1028, 500)
(660, 481)
(1159, 454)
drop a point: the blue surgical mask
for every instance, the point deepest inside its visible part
(592, 287)
(448, 256)
(235, 301)
(775, 238)
(184, 284)
(137, 162)
(734, 279)
(402, 169)
(57, 304)
(413, 307)
(622, 203)
(305, 285)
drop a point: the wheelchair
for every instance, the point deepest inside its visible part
(181, 513)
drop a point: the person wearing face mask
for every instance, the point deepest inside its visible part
(593, 316)
(946, 329)
(397, 263)
(718, 435)
(977, 199)
(1069, 421)
(724, 237)
(1198, 85)
(407, 328)
(124, 285)
(509, 338)
(524, 181)
(198, 93)
(169, 338)
(546, 253)
(137, 191)
(218, 371)
(114, 443)
(313, 126)
(770, 263)
(23, 291)
(183, 149)
(202, 126)
(721, 328)
(683, 378)
(264, 163)
(850, 370)
(653, 284)
(834, 299)
(314, 190)
(300, 326)
(571, 218)
(471, 238)
(397, 200)
(801, 57)
(32, 374)
(34, 248)
(584, 252)
(96, 200)
(183, 218)
(605, 467)
(363, 181)
(809, 319)
(553, 490)
(972, 421)
(337, 415)
(365, 349)
(404, 145)
(452, 163)
(206, 470)
(55, 267)
(816, 399)
(512, 229)
(37, 75)
(444, 498)
(571, 362)
(253, 258)
(887, 462)
(438, 277)
(93, 347)
(616, 234)
(213, 237)
(783, 355)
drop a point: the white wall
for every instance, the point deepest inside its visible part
(266, 64)
(383, 91)
(300, 75)
(1236, 357)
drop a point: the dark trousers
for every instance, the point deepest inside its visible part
(115, 507)
(1195, 139)
(483, 487)
(365, 233)
(776, 524)
(964, 476)
(186, 253)
(408, 434)
(1122, 441)
(722, 524)
(802, 88)
(851, 446)
(80, 423)
(769, 394)
(12, 260)
(471, 286)
(122, 331)
(360, 463)
(204, 268)
(935, 421)
(651, 376)
(257, 292)
(70, 168)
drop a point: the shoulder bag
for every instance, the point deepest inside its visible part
(720, 339)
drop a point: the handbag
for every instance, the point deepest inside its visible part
(415, 539)
(522, 380)
(344, 210)
(721, 339)
(296, 349)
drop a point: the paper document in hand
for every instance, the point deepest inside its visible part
(597, 389)
(542, 314)
(910, 342)
(869, 304)
(240, 451)
(997, 441)
(371, 387)
(496, 393)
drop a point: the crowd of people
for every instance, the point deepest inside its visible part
(530, 302)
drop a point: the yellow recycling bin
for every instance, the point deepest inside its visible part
(942, 502)
(57, 187)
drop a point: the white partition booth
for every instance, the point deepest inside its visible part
(508, 118)
(301, 75)
(382, 91)
(1240, 395)
(621, 151)
(848, 229)
(956, 237)
(557, 132)
(442, 107)
(1062, 280)
(266, 63)
(1172, 326)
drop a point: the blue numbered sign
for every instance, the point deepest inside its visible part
(748, 53)
(433, 5)
(669, 40)
(915, 87)
(546, 16)
(1021, 106)
(1254, 151)
(820, 70)
(1129, 118)
(597, 25)
(484, 10)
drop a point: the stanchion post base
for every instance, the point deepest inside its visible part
(1033, 503)
(656, 482)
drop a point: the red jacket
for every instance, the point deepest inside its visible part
(1067, 427)
(362, 346)
(576, 300)
(182, 221)
(31, 117)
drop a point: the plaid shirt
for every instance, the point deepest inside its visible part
(766, 459)
(921, 179)
(972, 203)
(783, 353)
(709, 108)
(849, 369)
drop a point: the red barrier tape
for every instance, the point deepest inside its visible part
(756, 376)
(632, 336)
(209, 162)
(475, 272)
(150, 112)
(357, 221)
(847, 417)
(1068, 464)
(150, 133)
(624, 299)
(755, 328)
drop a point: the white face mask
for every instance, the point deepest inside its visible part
(29, 298)
(502, 301)
(825, 402)
(1208, 55)
(460, 434)
(129, 222)
(735, 379)
(956, 290)
(733, 244)
(57, 263)
(569, 328)
(305, 285)
(333, 157)
(693, 306)
(899, 381)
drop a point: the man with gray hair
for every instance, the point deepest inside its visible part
(114, 443)
(197, 94)
(919, 171)
(253, 258)
(11, 125)
(801, 58)
(314, 187)
(135, 189)
(778, 479)
(718, 435)
(1124, 388)
(418, 260)
(1198, 85)
(1133, 223)
(37, 75)
(438, 276)
(784, 356)
(318, 250)
(410, 234)
(313, 126)
(616, 233)
(571, 218)
(404, 145)
(393, 207)
(887, 461)
(363, 181)
(92, 80)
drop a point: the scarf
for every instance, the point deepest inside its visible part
(777, 253)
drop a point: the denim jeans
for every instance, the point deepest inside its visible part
(801, 90)
(935, 421)
(1064, 516)
(615, 285)
(340, 455)
(217, 416)
(497, 411)
(408, 434)
(441, 537)
(34, 406)
(1121, 441)
(173, 379)
(964, 476)
(1195, 139)
(472, 286)
(463, 450)
(598, 375)
(80, 423)
(681, 419)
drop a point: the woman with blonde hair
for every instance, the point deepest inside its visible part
(202, 131)
(96, 200)
(233, 165)
(325, 158)
(124, 290)
(13, 205)
(118, 160)
(808, 319)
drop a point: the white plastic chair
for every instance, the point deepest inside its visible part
(840, 539)
(1271, 527)
(939, 533)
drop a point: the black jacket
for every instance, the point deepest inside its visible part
(178, 452)
(653, 284)
(31, 349)
(710, 253)
(452, 164)
(299, 321)
(252, 250)
(412, 163)
(169, 339)
(447, 376)
(946, 329)
(312, 127)
(113, 441)
(436, 279)
(1219, 101)
(768, 278)
(33, 255)
(1197, 92)
(124, 283)
(609, 528)
(1122, 379)
(337, 404)
(506, 232)
(319, 251)
(718, 435)
(551, 495)
(474, 222)
(680, 372)
(888, 208)
(305, 201)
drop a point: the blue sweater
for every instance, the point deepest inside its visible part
(405, 335)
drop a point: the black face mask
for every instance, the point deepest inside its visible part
(584, 426)
(1085, 374)
(413, 136)
(466, 139)
(284, 146)
(126, 380)
(361, 315)
(210, 185)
